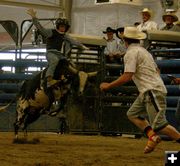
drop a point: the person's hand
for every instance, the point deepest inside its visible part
(104, 86)
(31, 12)
(85, 48)
(110, 56)
(173, 79)
(115, 54)
(176, 80)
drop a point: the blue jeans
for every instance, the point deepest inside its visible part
(53, 58)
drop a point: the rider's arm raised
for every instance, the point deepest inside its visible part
(45, 32)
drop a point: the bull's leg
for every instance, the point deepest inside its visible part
(25, 124)
(20, 114)
(16, 128)
(31, 116)
(17, 125)
(25, 132)
(63, 125)
(61, 105)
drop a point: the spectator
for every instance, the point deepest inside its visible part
(112, 50)
(147, 23)
(169, 19)
(140, 67)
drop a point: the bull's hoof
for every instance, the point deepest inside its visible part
(25, 141)
(19, 140)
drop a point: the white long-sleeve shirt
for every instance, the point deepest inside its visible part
(148, 25)
(114, 47)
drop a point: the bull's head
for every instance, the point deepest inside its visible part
(83, 76)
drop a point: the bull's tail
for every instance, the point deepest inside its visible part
(4, 108)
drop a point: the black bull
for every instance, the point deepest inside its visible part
(35, 99)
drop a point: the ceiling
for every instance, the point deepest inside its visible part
(38, 4)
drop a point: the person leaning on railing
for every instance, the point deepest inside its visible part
(112, 51)
(147, 22)
(169, 19)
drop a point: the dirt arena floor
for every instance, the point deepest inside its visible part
(51, 149)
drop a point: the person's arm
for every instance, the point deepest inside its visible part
(45, 32)
(176, 80)
(106, 52)
(121, 50)
(126, 77)
(75, 42)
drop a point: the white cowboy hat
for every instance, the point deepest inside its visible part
(178, 23)
(175, 18)
(146, 10)
(133, 33)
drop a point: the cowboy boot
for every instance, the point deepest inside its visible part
(153, 141)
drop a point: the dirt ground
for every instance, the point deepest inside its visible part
(79, 150)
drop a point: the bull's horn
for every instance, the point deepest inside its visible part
(91, 74)
(73, 70)
(3, 108)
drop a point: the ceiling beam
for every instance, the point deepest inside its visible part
(31, 5)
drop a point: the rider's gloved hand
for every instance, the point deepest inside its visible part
(31, 12)
(85, 48)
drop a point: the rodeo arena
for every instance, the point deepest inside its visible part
(90, 83)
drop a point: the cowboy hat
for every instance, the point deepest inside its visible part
(121, 29)
(146, 10)
(178, 23)
(175, 18)
(133, 33)
(109, 29)
(119, 32)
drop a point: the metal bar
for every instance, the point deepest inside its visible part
(13, 76)
(166, 50)
(23, 63)
(31, 5)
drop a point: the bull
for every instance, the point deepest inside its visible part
(35, 99)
